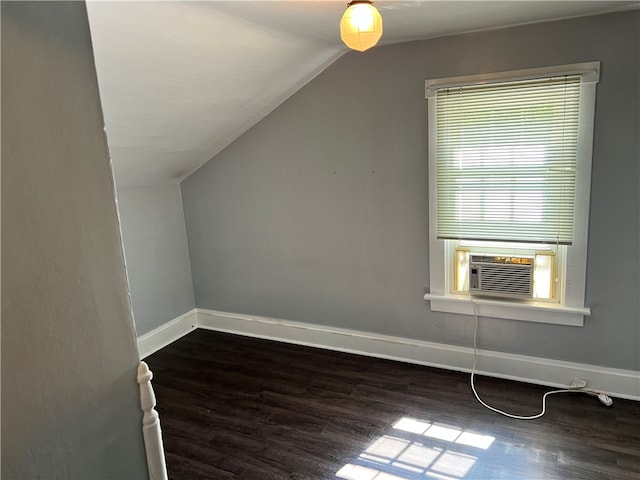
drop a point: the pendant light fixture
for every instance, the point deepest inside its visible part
(361, 25)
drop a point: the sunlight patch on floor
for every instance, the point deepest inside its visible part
(417, 449)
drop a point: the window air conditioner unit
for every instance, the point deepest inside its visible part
(501, 276)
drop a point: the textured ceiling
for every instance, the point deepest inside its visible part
(179, 81)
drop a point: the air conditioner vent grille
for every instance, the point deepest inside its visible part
(501, 276)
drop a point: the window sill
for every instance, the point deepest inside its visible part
(512, 310)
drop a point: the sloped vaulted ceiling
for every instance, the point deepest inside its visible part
(179, 81)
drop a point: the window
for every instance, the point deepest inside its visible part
(509, 179)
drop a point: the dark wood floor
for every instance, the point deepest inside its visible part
(233, 407)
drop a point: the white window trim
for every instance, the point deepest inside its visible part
(573, 311)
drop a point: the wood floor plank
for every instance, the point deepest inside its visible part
(236, 408)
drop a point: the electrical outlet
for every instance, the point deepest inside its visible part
(577, 384)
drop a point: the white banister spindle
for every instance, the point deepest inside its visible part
(151, 425)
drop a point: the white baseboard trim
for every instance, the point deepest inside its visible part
(168, 333)
(542, 371)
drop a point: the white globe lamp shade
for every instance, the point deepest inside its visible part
(361, 25)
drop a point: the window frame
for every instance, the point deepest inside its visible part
(572, 310)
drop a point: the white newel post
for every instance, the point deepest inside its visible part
(151, 425)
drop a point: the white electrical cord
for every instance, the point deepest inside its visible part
(606, 400)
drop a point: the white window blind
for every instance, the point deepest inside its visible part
(506, 160)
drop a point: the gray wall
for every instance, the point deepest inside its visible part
(156, 252)
(70, 402)
(319, 213)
